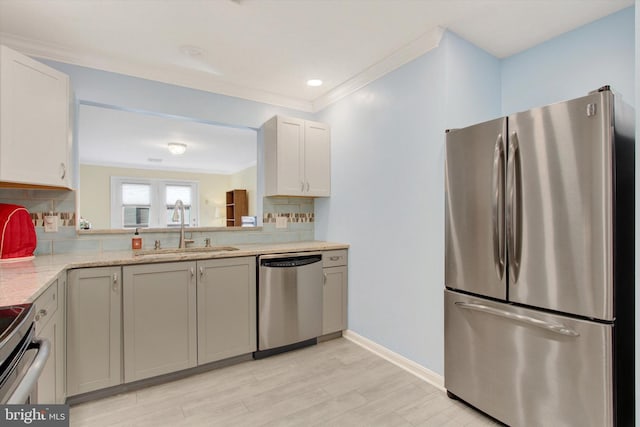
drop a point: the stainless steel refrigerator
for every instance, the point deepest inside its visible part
(539, 264)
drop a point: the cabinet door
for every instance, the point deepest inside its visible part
(93, 329)
(290, 156)
(46, 391)
(317, 159)
(226, 308)
(60, 337)
(48, 327)
(334, 300)
(159, 319)
(34, 121)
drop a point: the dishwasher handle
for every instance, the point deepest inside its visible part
(290, 261)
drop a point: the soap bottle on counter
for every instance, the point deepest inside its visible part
(136, 240)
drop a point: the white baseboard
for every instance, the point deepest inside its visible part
(410, 366)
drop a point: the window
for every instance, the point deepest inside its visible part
(136, 203)
(144, 202)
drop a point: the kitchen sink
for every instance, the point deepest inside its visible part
(184, 250)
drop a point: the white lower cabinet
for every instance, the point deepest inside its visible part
(159, 314)
(49, 324)
(94, 325)
(334, 292)
(226, 308)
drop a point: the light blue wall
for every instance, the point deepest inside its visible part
(573, 64)
(385, 202)
(387, 197)
(473, 83)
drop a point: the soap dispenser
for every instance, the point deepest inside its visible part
(136, 240)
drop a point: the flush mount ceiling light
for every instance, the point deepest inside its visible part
(177, 148)
(314, 82)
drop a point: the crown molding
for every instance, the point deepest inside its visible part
(204, 81)
(41, 50)
(423, 44)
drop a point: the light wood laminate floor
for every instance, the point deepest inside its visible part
(336, 383)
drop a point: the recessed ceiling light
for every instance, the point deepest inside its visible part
(177, 148)
(314, 82)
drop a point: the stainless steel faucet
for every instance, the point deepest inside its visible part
(179, 210)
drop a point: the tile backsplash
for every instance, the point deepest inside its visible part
(298, 211)
(64, 218)
(41, 203)
(295, 209)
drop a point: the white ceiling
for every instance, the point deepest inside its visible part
(262, 50)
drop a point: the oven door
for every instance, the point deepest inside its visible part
(20, 372)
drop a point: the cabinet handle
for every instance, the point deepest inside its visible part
(334, 258)
(558, 328)
(325, 278)
(63, 170)
(193, 273)
(115, 282)
(201, 272)
(41, 314)
(307, 185)
(301, 185)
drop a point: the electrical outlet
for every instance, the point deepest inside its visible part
(51, 223)
(281, 222)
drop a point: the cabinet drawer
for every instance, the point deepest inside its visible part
(46, 306)
(334, 258)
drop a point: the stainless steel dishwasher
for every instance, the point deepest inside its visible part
(289, 302)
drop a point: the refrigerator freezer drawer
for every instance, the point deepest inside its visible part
(526, 367)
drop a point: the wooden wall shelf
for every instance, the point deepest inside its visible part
(237, 207)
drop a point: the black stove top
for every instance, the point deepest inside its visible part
(9, 316)
(15, 323)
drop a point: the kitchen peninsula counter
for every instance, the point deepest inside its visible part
(23, 281)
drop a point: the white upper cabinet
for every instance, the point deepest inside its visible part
(297, 157)
(35, 137)
(317, 158)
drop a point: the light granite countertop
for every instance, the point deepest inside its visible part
(23, 281)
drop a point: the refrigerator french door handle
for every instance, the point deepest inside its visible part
(497, 186)
(513, 164)
(557, 328)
